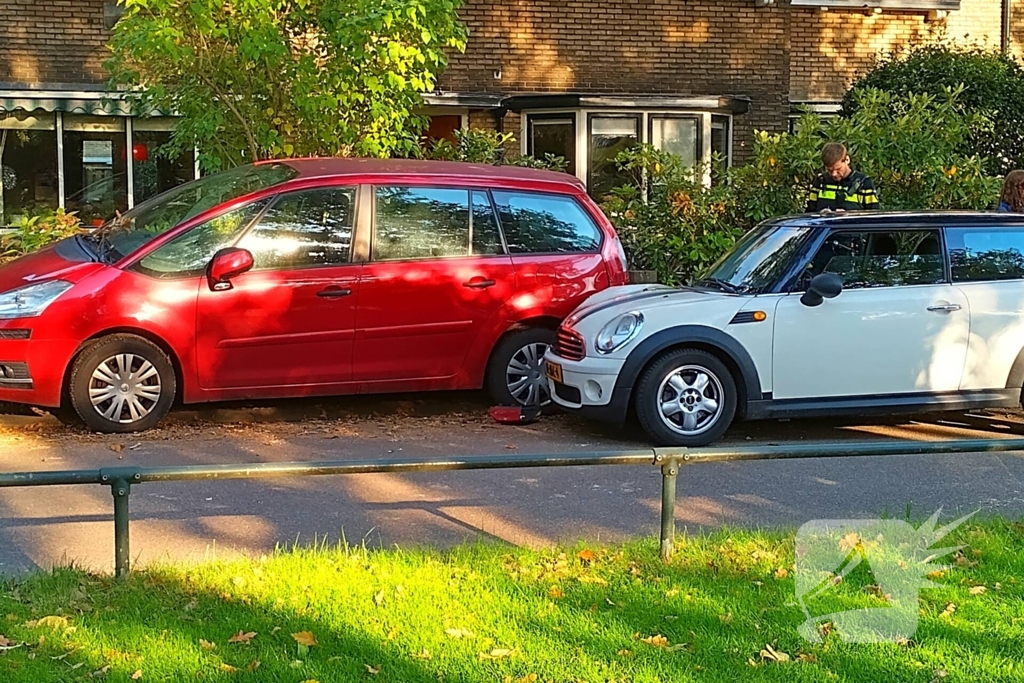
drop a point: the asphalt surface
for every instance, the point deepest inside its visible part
(40, 527)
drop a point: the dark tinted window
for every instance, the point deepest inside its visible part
(758, 260)
(977, 254)
(188, 254)
(304, 229)
(486, 239)
(881, 259)
(420, 223)
(537, 223)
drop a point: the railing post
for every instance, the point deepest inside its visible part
(669, 470)
(120, 488)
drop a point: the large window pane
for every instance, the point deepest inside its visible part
(153, 171)
(720, 131)
(980, 254)
(304, 229)
(552, 134)
(609, 135)
(95, 167)
(420, 223)
(676, 135)
(537, 223)
(28, 166)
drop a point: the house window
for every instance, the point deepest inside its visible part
(95, 167)
(443, 127)
(154, 170)
(609, 136)
(678, 135)
(720, 139)
(28, 165)
(553, 134)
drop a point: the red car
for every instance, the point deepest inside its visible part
(309, 277)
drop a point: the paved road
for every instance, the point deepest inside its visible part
(43, 526)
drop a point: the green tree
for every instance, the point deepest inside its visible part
(993, 84)
(257, 79)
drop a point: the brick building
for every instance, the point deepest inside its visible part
(578, 78)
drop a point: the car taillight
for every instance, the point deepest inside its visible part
(569, 344)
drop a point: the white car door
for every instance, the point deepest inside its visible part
(896, 328)
(987, 265)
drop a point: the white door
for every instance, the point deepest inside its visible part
(987, 265)
(897, 327)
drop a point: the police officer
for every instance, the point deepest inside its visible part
(841, 188)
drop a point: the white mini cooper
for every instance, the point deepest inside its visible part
(805, 316)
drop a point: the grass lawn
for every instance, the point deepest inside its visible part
(718, 612)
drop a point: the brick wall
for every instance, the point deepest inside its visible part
(694, 47)
(56, 41)
(829, 49)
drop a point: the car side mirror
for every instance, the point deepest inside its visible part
(226, 265)
(822, 286)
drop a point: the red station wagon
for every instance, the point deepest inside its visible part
(308, 277)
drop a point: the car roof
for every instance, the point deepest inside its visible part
(900, 219)
(321, 167)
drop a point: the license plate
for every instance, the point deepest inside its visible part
(553, 370)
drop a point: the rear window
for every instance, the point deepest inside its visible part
(985, 254)
(536, 223)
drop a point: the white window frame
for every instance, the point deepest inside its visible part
(582, 131)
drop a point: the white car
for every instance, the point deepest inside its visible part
(807, 316)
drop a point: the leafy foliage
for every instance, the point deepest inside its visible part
(490, 147)
(35, 232)
(255, 79)
(992, 83)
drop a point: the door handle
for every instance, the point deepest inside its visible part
(944, 308)
(476, 283)
(333, 293)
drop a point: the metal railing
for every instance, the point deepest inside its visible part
(121, 479)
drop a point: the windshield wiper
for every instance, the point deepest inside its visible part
(723, 285)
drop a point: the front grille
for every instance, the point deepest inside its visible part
(567, 393)
(15, 334)
(569, 344)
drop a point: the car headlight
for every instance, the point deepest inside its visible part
(31, 300)
(618, 332)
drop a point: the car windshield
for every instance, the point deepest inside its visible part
(757, 260)
(123, 235)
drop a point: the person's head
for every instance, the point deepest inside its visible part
(1013, 191)
(836, 160)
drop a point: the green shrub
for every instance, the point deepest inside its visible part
(993, 84)
(489, 147)
(34, 233)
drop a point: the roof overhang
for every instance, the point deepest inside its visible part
(463, 100)
(725, 103)
(70, 101)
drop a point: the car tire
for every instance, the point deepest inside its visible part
(699, 390)
(121, 384)
(518, 356)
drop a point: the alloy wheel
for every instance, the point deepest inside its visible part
(690, 400)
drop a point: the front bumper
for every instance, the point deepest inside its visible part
(31, 370)
(588, 387)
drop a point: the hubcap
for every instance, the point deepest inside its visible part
(525, 376)
(125, 388)
(691, 400)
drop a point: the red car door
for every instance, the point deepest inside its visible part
(291, 320)
(437, 273)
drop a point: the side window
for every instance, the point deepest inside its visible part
(537, 223)
(304, 229)
(880, 258)
(486, 239)
(420, 223)
(982, 254)
(188, 254)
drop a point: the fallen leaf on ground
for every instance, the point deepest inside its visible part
(370, 669)
(609, 601)
(770, 654)
(305, 638)
(624, 653)
(939, 675)
(806, 658)
(53, 623)
(555, 593)
(378, 598)
(977, 590)
(137, 675)
(672, 593)
(725, 618)
(227, 668)
(586, 555)
(423, 654)
(117, 447)
(597, 580)
(242, 637)
(276, 629)
(496, 653)
(781, 573)
(207, 645)
(253, 665)
(459, 633)
(849, 541)
(4, 642)
(656, 640)
(937, 574)
(950, 608)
